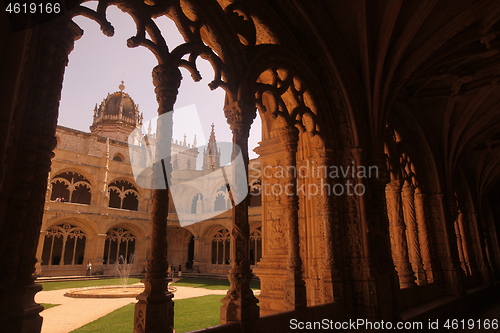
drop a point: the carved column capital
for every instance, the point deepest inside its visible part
(408, 190)
(289, 136)
(239, 114)
(167, 80)
(394, 186)
(380, 161)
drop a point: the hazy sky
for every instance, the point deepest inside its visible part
(98, 64)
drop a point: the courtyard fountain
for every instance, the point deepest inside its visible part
(122, 269)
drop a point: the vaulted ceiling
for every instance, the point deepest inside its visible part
(433, 64)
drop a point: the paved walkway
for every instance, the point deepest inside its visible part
(76, 312)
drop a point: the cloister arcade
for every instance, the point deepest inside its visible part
(403, 87)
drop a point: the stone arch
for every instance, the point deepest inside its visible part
(71, 186)
(65, 241)
(179, 239)
(85, 173)
(184, 195)
(118, 157)
(120, 246)
(123, 194)
(220, 201)
(89, 226)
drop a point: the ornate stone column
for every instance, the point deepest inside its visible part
(423, 235)
(240, 304)
(447, 266)
(154, 311)
(410, 218)
(379, 286)
(454, 265)
(462, 245)
(398, 229)
(329, 259)
(294, 286)
(33, 104)
(478, 264)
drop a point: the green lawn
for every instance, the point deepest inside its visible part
(87, 283)
(48, 305)
(213, 284)
(190, 314)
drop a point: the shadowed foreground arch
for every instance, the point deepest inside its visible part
(327, 104)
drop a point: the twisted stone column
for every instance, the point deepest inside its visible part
(398, 228)
(462, 245)
(478, 263)
(423, 236)
(240, 304)
(410, 218)
(154, 311)
(294, 286)
(328, 264)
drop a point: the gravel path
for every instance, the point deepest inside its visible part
(76, 312)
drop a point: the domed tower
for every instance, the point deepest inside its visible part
(117, 116)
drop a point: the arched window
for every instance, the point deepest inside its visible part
(221, 199)
(221, 244)
(118, 158)
(123, 195)
(196, 204)
(71, 187)
(64, 244)
(119, 247)
(255, 246)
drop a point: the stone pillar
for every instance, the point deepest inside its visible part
(454, 263)
(154, 311)
(398, 231)
(377, 286)
(273, 264)
(447, 268)
(479, 256)
(410, 218)
(26, 156)
(39, 252)
(423, 236)
(240, 304)
(197, 254)
(462, 245)
(99, 241)
(328, 259)
(294, 287)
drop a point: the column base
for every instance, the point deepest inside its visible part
(154, 311)
(239, 304)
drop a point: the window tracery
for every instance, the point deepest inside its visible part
(64, 244)
(222, 201)
(197, 204)
(72, 187)
(119, 247)
(221, 243)
(123, 195)
(256, 246)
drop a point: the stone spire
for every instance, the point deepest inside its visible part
(211, 157)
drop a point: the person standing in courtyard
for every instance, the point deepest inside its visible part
(89, 268)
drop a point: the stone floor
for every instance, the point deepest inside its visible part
(489, 313)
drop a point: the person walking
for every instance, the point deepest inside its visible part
(89, 268)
